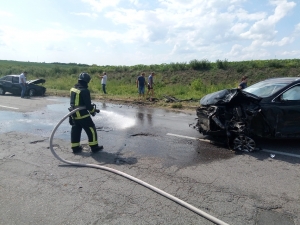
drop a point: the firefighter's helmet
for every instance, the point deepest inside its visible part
(84, 77)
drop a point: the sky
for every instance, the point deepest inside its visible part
(132, 32)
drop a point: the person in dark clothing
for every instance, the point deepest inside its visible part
(80, 97)
(140, 84)
(243, 83)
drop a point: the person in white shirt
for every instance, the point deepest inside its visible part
(22, 82)
(103, 82)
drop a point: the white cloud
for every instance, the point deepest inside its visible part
(291, 53)
(297, 30)
(99, 5)
(52, 47)
(158, 30)
(235, 50)
(90, 15)
(189, 25)
(53, 35)
(282, 42)
(5, 14)
(265, 28)
(135, 2)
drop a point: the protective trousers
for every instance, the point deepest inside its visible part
(89, 127)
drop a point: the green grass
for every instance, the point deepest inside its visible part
(181, 80)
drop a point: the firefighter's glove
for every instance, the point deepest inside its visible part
(95, 110)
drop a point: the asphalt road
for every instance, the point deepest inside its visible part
(154, 145)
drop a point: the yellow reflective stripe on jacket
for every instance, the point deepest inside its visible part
(78, 116)
(77, 96)
(94, 142)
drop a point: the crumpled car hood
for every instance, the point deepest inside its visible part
(227, 96)
(36, 81)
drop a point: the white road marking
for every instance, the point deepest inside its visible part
(8, 107)
(199, 139)
(177, 135)
(263, 150)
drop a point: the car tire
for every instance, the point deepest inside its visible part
(243, 143)
(31, 92)
(2, 91)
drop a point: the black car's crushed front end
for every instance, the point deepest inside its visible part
(267, 109)
(232, 113)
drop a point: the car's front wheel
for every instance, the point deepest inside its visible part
(243, 143)
(31, 92)
(2, 91)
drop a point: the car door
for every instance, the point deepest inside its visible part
(7, 83)
(289, 104)
(16, 89)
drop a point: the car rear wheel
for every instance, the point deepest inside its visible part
(243, 143)
(31, 92)
(2, 92)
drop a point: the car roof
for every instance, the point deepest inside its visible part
(12, 75)
(284, 79)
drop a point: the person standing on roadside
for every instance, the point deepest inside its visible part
(22, 82)
(243, 83)
(103, 82)
(140, 84)
(150, 92)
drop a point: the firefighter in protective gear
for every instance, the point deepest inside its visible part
(80, 96)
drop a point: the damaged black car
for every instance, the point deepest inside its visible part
(10, 83)
(267, 109)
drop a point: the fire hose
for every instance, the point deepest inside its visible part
(159, 191)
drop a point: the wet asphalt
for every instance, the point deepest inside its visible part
(239, 188)
(138, 129)
(145, 128)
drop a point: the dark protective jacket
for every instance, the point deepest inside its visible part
(80, 96)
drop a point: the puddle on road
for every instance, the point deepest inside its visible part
(208, 152)
(137, 123)
(202, 152)
(42, 122)
(25, 122)
(174, 151)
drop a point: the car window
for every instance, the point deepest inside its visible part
(264, 89)
(8, 78)
(15, 80)
(292, 94)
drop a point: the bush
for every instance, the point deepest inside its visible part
(197, 85)
(222, 64)
(200, 65)
(241, 68)
(275, 63)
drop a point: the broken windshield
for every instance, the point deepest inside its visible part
(265, 88)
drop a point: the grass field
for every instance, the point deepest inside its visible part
(183, 81)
